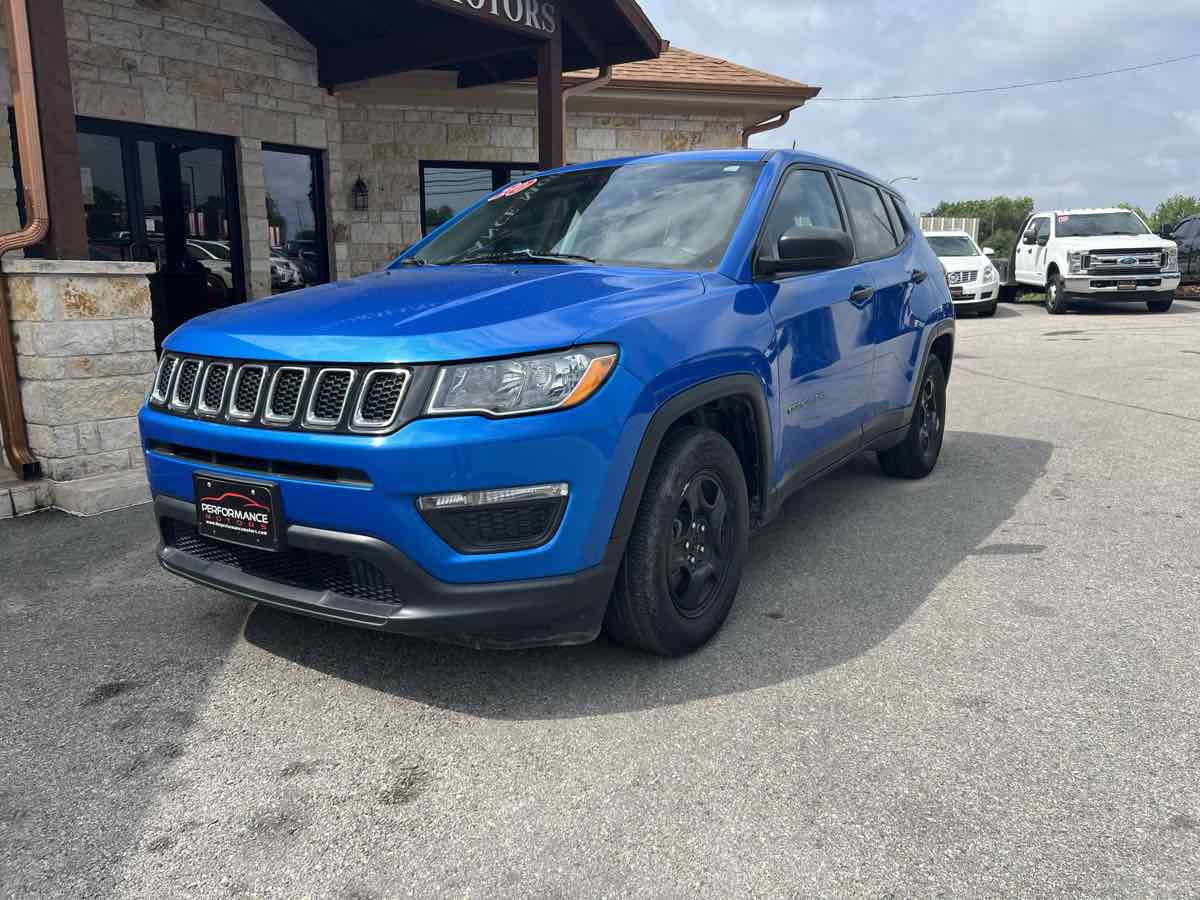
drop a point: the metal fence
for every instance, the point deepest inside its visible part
(939, 223)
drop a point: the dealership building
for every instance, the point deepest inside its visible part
(165, 158)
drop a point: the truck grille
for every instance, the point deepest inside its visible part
(306, 569)
(1125, 262)
(351, 399)
(962, 277)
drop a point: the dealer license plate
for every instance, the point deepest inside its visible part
(239, 512)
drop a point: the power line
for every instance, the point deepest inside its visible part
(1008, 87)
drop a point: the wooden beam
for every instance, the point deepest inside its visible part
(60, 144)
(552, 124)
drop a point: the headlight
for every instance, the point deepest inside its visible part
(525, 384)
(989, 274)
(1172, 263)
(1075, 261)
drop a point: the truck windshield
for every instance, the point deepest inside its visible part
(678, 215)
(1097, 224)
(952, 245)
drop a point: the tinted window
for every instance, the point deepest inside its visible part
(899, 225)
(1043, 229)
(806, 200)
(1098, 224)
(295, 211)
(872, 228)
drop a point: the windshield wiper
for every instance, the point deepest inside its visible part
(415, 261)
(522, 256)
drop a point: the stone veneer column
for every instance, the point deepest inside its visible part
(85, 356)
(256, 229)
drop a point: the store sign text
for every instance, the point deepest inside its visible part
(535, 14)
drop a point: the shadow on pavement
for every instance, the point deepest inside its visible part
(847, 563)
(104, 663)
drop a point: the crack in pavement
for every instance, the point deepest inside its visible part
(1066, 393)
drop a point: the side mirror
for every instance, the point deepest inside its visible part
(988, 251)
(1043, 240)
(810, 250)
(1166, 231)
(1029, 239)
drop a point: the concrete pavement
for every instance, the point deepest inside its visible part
(981, 683)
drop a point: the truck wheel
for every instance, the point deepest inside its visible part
(1160, 305)
(684, 560)
(1056, 296)
(917, 454)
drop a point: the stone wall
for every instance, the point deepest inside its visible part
(85, 355)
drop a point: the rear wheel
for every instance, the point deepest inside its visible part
(683, 564)
(1160, 306)
(1056, 295)
(917, 454)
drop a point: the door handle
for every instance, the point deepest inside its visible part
(918, 276)
(861, 294)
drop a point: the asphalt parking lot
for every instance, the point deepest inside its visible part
(983, 683)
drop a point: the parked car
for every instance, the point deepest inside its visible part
(563, 410)
(1077, 256)
(216, 258)
(973, 280)
(285, 274)
(1186, 236)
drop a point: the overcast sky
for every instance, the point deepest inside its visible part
(1132, 137)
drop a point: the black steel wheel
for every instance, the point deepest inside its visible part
(917, 455)
(683, 562)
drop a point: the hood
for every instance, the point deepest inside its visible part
(422, 315)
(960, 263)
(1115, 242)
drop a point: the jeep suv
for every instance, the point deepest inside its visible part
(1077, 256)
(561, 412)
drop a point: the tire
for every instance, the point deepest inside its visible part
(670, 598)
(1160, 306)
(989, 312)
(1056, 297)
(917, 455)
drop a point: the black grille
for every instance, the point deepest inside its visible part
(286, 396)
(164, 376)
(305, 569)
(248, 387)
(330, 400)
(500, 528)
(214, 386)
(382, 397)
(186, 388)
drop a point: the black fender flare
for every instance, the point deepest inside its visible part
(742, 385)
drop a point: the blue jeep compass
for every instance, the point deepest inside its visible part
(561, 412)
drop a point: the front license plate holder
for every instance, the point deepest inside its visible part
(1127, 285)
(236, 511)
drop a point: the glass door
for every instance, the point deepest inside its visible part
(172, 200)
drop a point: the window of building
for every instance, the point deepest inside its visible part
(447, 188)
(296, 217)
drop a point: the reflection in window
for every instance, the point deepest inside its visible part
(450, 188)
(104, 195)
(295, 215)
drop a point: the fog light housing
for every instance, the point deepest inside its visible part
(498, 520)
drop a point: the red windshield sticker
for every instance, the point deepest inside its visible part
(1063, 219)
(513, 189)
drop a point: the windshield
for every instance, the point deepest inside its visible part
(1096, 224)
(953, 245)
(215, 249)
(678, 215)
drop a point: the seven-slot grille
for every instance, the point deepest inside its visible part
(963, 277)
(348, 399)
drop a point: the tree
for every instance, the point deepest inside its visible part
(1000, 219)
(1175, 209)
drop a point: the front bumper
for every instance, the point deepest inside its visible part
(975, 296)
(567, 609)
(1116, 288)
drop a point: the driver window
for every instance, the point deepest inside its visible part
(1032, 230)
(1043, 229)
(806, 200)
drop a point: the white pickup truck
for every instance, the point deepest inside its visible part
(1081, 255)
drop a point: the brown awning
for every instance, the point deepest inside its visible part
(485, 41)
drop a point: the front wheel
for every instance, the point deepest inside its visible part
(683, 564)
(1056, 295)
(917, 454)
(1160, 306)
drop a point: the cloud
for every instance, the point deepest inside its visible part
(1125, 137)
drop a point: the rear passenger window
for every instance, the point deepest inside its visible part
(873, 232)
(806, 200)
(899, 225)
